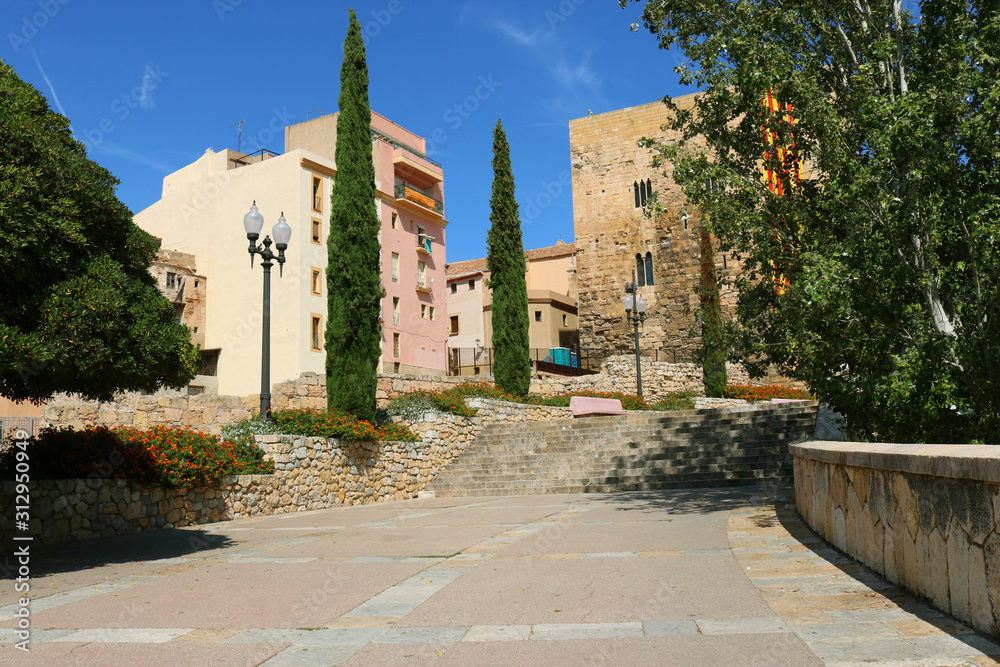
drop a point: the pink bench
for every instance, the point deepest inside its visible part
(585, 405)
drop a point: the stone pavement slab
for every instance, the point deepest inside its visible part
(666, 578)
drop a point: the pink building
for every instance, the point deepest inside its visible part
(410, 200)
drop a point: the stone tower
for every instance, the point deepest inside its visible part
(612, 178)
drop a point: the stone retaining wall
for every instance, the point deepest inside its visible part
(926, 517)
(310, 473)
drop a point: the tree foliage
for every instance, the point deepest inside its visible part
(888, 246)
(353, 272)
(81, 312)
(712, 352)
(506, 263)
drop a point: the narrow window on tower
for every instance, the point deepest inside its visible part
(649, 268)
(640, 271)
(635, 189)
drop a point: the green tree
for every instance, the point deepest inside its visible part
(712, 352)
(353, 272)
(81, 312)
(875, 277)
(505, 261)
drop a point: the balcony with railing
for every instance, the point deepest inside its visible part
(407, 193)
(424, 283)
(237, 160)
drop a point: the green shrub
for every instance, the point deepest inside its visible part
(345, 427)
(755, 393)
(678, 400)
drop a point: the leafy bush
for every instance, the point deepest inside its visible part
(243, 431)
(765, 392)
(331, 425)
(678, 400)
(170, 457)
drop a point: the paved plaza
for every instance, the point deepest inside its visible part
(661, 578)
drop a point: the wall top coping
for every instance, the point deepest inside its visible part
(972, 462)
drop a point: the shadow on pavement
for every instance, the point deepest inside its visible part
(692, 501)
(152, 545)
(920, 607)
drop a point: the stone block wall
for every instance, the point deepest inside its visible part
(310, 473)
(926, 517)
(606, 165)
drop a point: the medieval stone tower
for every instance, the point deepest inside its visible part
(612, 179)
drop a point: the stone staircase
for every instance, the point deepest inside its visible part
(637, 452)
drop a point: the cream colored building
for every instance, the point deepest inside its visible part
(201, 213)
(552, 309)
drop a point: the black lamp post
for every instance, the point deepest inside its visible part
(253, 222)
(635, 313)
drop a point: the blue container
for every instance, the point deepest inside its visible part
(573, 361)
(560, 355)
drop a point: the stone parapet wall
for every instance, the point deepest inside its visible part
(926, 517)
(210, 412)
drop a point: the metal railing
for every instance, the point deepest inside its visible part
(9, 426)
(479, 361)
(247, 159)
(409, 194)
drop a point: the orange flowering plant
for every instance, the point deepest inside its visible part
(170, 457)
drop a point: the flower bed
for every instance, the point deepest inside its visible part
(344, 427)
(175, 458)
(415, 403)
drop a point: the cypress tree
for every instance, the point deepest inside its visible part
(505, 261)
(713, 351)
(353, 272)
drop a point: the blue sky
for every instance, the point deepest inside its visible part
(149, 86)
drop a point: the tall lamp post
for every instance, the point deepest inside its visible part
(635, 313)
(253, 222)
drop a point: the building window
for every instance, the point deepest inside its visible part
(454, 325)
(565, 321)
(423, 311)
(454, 288)
(649, 268)
(640, 270)
(316, 334)
(538, 316)
(317, 194)
(317, 231)
(643, 191)
(171, 280)
(395, 311)
(423, 241)
(395, 267)
(472, 284)
(395, 347)
(316, 284)
(395, 217)
(421, 275)
(431, 313)
(194, 390)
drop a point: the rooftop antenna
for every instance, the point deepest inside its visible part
(239, 135)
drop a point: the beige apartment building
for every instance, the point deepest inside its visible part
(552, 308)
(200, 213)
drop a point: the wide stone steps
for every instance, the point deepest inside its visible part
(640, 451)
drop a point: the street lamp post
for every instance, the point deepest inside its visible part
(635, 313)
(253, 222)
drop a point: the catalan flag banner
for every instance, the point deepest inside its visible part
(782, 171)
